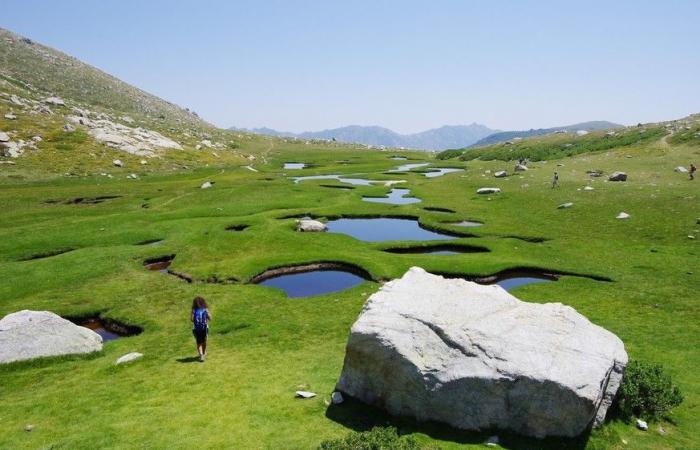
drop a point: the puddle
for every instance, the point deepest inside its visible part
(47, 254)
(439, 209)
(353, 181)
(399, 158)
(312, 279)
(385, 229)
(407, 167)
(465, 223)
(438, 172)
(439, 249)
(160, 263)
(515, 281)
(239, 227)
(294, 165)
(107, 328)
(395, 197)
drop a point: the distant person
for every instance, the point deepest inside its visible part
(692, 170)
(200, 325)
(555, 180)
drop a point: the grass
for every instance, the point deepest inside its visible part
(265, 346)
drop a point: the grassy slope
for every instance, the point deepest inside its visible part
(264, 346)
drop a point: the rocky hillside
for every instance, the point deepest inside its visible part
(31, 65)
(504, 136)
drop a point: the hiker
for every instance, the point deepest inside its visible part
(200, 325)
(555, 180)
(692, 170)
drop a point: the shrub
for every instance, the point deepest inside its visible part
(379, 438)
(647, 391)
(449, 154)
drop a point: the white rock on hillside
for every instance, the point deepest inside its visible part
(56, 101)
(310, 225)
(500, 174)
(206, 185)
(133, 356)
(622, 215)
(33, 334)
(681, 169)
(4, 137)
(488, 190)
(475, 357)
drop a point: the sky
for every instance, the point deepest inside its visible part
(405, 65)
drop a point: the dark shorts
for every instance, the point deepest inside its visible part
(200, 336)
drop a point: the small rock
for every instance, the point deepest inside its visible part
(37, 139)
(68, 128)
(118, 163)
(143, 162)
(642, 425)
(10, 116)
(305, 394)
(661, 430)
(492, 441)
(560, 165)
(206, 185)
(690, 236)
(520, 168)
(618, 176)
(622, 215)
(595, 173)
(337, 398)
(14, 99)
(588, 188)
(133, 176)
(565, 205)
(56, 101)
(128, 358)
(488, 190)
(28, 427)
(500, 174)
(310, 225)
(624, 441)
(680, 169)
(4, 137)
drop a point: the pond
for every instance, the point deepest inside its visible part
(438, 172)
(407, 167)
(514, 281)
(294, 165)
(395, 197)
(384, 229)
(98, 327)
(316, 282)
(342, 179)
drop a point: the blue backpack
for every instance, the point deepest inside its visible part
(201, 319)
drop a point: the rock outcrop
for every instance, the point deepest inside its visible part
(475, 357)
(310, 225)
(33, 334)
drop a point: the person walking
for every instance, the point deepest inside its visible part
(200, 318)
(555, 180)
(692, 170)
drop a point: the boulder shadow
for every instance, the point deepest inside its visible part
(358, 416)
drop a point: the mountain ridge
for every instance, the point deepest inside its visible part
(504, 136)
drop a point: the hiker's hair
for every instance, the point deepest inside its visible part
(199, 302)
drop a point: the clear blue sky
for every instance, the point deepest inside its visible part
(409, 66)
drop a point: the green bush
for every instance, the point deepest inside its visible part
(647, 391)
(379, 438)
(449, 154)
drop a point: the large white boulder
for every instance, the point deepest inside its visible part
(475, 357)
(33, 334)
(310, 225)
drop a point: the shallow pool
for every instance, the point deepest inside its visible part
(385, 229)
(316, 282)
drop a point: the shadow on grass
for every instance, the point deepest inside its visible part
(357, 416)
(189, 359)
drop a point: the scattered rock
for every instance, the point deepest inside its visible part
(520, 168)
(37, 139)
(4, 137)
(206, 185)
(475, 357)
(118, 163)
(581, 132)
(69, 128)
(310, 225)
(488, 190)
(595, 173)
(622, 215)
(55, 101)
(500, 174)
(337, 398)
(133, 356)
(133, 176)
(492, 441)
(28, 427)
(15, 100)
(618, 176)
(33, 334)
(207, 143)
(305, 394)
(10, 116)
(680, 169)
(588, 188)
(661, 430)
(143, 162)
(565, 205)
(642, 425)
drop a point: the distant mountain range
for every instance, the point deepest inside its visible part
(449, 136)
(504, 136)
(443, 138)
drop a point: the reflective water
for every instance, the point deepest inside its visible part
(353, 181)
(97, 326)
(384, 229)
(516, 281)
(317, 282)
(407, 167)
(294, 165)
(399, 158)
(438, 172)
(395, 197)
